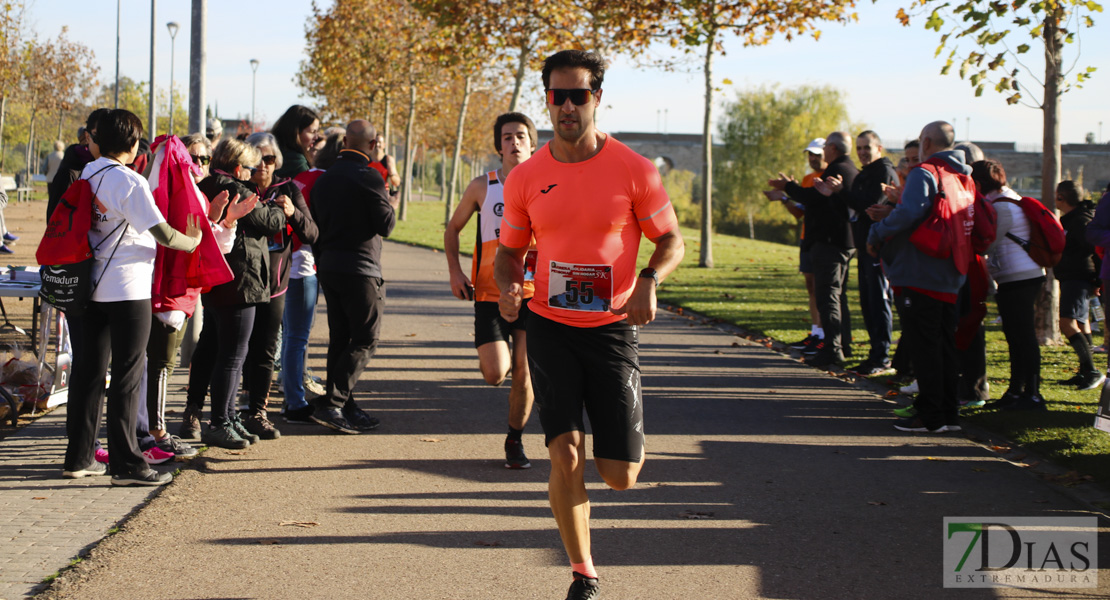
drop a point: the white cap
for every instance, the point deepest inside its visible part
(817, 146)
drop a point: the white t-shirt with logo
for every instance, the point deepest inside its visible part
(122, 196)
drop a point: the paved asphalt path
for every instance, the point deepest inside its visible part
(764, 479)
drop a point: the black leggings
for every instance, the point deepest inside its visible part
(1016, 305)
(258, 371)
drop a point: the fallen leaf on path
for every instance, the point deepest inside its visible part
(431, 440)
(877, 503)
(410, 335)
(39, 498)
(690, 514)
(736, 344)
(298, 524)
(936, 459)
(716, 352)
(892, 393)
(1000, 448)
(487, 544)
(269, 542)
(979, 470)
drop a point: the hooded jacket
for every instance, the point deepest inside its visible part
(352, 211)
(904, 264)
(1079, 261)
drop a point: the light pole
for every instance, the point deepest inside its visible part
(254, 78)
(117, 53)
(172, 26)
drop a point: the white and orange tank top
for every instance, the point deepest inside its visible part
(485, 247)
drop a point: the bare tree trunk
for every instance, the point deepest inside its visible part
(442, 175)
(31, 138)
(406, 179)
(385, 120)
(459, 128)
(3, 113)
(61, 117)
(751, 225)
(521, 71)
(705, 259)
(1048, 328)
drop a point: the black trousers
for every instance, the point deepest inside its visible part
(931, 324)
(258, 370)
(1017, 306)
(356, 305)
(830, 283)
(117, 331)
(202, 361)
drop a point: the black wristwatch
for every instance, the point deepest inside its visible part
(650, 272)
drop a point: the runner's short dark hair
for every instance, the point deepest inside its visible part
(575, 59)
(1070, 192)
(118, 131)
(94, 118)
(513, 117)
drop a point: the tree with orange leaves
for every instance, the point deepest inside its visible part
(701, 26)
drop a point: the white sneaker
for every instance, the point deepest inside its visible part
(912, 388)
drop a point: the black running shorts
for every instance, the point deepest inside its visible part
(490, 327)
(596, 368)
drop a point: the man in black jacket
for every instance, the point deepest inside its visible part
(829, 236)
(353, 212)
(875, 297)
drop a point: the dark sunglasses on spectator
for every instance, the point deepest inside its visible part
(200, 160)
(577, 97)
(269, 159)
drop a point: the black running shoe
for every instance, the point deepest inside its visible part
(299, 415)
(514, 455)
(1034, 402)
(147, 477)
(1007, 399)
(358, 417)
(814, 348)
(332, 418)
(583, 588)
(1089, 380)
(241, 430)
(804, 343)
(179, 449)
(223, 436)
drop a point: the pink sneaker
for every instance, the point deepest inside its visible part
(156, 456)
(101, 455)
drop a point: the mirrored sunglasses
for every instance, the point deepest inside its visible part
(577, 97)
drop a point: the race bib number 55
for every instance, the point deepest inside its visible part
(586, 288)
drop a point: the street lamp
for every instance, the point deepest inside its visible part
(254, 78)
(172, 26)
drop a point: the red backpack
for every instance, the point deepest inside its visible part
(1046, 235)
(957, 224)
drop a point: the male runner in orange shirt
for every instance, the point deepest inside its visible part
(514, 138)
(587, 199)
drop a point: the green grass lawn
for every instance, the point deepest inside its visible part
(756, 285)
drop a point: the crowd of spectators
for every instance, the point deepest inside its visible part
(873, 214)
(210, 245)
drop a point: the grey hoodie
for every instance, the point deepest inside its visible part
(904, 264)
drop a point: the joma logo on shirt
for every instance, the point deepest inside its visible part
(548, 188)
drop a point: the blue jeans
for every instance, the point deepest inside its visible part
(300, 311)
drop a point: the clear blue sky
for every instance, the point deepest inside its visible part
(888, 71)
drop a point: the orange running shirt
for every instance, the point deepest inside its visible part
(587, 219)
(485, 245)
